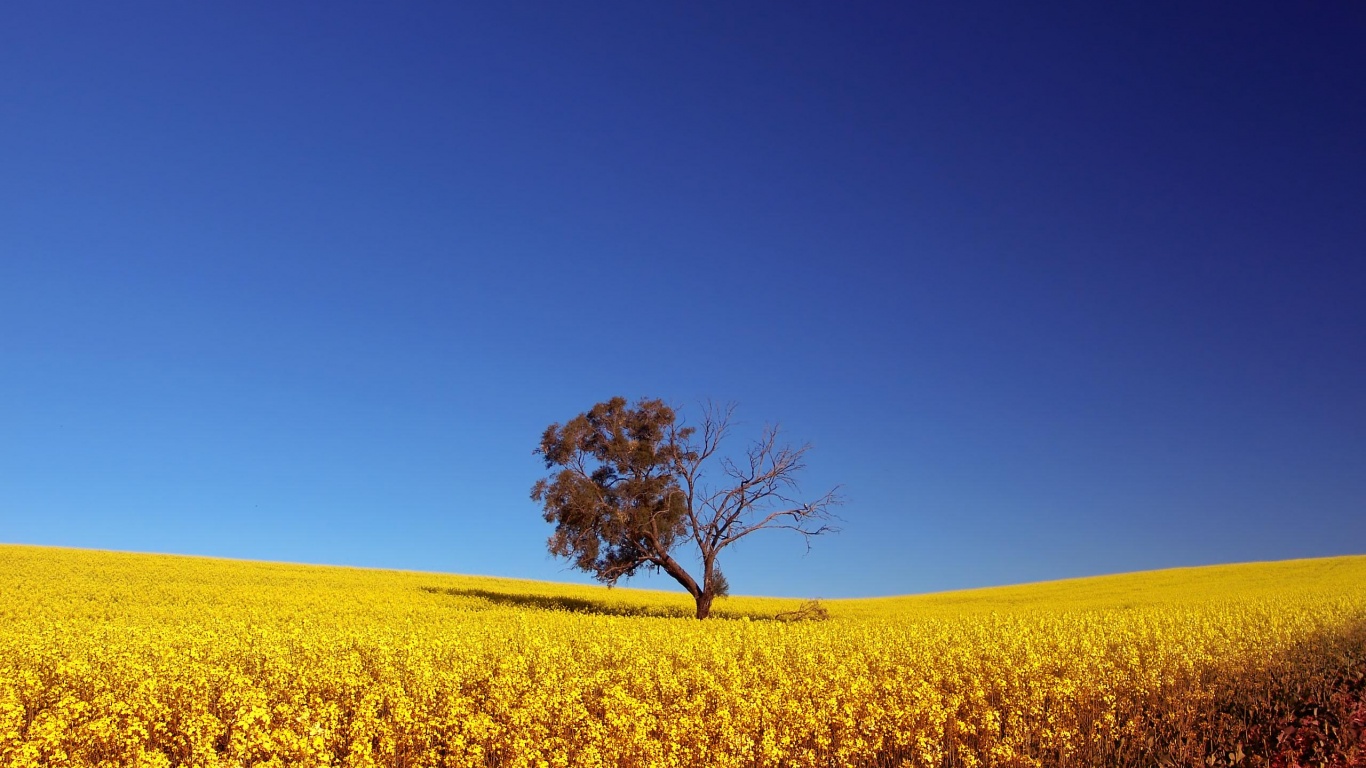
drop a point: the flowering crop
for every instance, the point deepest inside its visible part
(111, 659)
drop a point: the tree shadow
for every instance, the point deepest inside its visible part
(560, 603)
(583, 605)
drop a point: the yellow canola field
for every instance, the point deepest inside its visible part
(110, 659)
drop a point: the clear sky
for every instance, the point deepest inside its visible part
(1053, 291)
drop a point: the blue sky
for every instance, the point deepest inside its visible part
(1052, 291)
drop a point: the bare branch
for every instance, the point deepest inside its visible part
(766, 477)
(812, 519)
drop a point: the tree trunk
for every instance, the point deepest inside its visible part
(702, 595)
(704, 599)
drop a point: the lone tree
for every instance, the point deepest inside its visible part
(628, 489)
